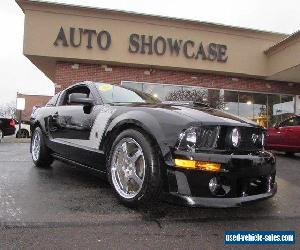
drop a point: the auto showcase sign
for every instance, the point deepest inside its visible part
(143, 44)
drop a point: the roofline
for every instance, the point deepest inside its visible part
(18, 93)
(293, 36)
(117, 11)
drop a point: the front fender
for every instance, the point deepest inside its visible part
(146, 122)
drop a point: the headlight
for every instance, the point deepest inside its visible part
(235, 137)
(197, 138)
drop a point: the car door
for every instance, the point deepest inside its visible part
(73, 123)
(295, 134)
(277, 136)
(285, 134)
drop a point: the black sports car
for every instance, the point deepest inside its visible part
(187, 153)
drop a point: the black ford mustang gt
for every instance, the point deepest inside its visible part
(185, 152)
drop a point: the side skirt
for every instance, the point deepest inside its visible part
(94, 171)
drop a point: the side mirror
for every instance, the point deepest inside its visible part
(276, 126)
(80, 98)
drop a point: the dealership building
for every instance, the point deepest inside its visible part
(255, 74)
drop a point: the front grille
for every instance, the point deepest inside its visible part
(250, 139)
(247, 140)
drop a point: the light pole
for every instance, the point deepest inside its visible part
(20, 107)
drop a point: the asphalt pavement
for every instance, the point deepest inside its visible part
(64, 207)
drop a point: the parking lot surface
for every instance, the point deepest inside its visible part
(65, 207)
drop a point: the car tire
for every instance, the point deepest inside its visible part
(1, 135)
(146, 184)
(40, 153)
(23, 134)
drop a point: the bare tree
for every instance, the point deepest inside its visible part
(209, 97)
(8, 110)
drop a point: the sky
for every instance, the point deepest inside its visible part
(18, 74)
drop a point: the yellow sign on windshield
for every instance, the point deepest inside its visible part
(105, 87)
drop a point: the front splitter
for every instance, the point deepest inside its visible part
(217, 202)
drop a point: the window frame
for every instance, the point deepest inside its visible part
(281, 126)
(57, 96)
(64, 94)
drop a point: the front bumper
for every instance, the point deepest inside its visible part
(248, 178)
(218, 202)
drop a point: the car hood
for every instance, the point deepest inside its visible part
(195, 113)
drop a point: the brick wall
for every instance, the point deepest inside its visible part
(67, 74)
(30, 102)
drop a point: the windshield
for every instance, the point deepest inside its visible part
(118, 94)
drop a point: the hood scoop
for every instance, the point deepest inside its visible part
(187, 103)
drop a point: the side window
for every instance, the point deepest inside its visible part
(297, 121)
(289, 122)
(82, 91)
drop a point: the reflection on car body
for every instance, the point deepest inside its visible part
(186, 153)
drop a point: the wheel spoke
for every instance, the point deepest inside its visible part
(136, 155)
(125, 149)
(125, 184)
(136, 179)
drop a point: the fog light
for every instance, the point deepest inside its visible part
(218, 186)
(198, 165)
(213, 185)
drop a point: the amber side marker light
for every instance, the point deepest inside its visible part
(198, 165)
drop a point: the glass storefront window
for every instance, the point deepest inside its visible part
(246, 105)
(168, 89)
(215, 99)
(280, 107)
(193, 93)
(260, 109)
(133, 85)
(154, 89)
(231, 100)
(264, 109)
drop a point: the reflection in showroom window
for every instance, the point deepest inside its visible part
(259, 107)
(280, 107)
(210, 97)
(231, 100)
(246, 105)
(262, 108)
(160, 91)
(133, 85)
(188, 94)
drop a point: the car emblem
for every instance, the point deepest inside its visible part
(254, 137)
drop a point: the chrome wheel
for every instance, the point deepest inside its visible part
(128, 168)
(36, 146)
(1, 135)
